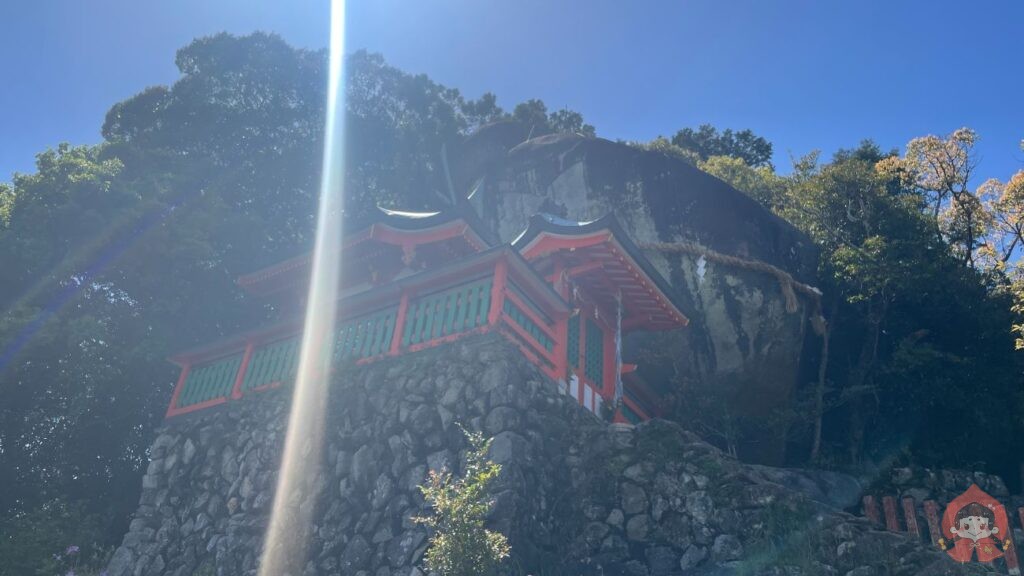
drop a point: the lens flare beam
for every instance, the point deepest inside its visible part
(288, 534)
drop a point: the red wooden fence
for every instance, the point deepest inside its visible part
(888, 517)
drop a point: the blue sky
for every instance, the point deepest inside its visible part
(805, 74)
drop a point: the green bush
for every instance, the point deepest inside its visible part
(460, 545)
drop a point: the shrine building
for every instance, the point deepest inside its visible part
(563, 292)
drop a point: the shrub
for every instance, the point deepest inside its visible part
(460, 545)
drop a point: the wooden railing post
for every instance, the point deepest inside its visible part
(1010, 554)
(931, 515)
(1012, 561)
(236, 389)
(871, 510)
(892, 523)
(910, 516)
(403, 311)
(498, 291)
(177, 390)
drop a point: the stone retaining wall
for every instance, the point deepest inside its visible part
(576, 496)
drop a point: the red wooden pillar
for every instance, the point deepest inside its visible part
(871, 510)
(931, 514)
(561, 349)
(236, 390)
(1012, 562)
(1010, 554)
(608, 345)
(403, 311)
(892, 523)
(177, 390)
(581, 360)
(498, 291)
(910, 516)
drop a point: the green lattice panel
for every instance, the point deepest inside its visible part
(529, 303)
(528, 325)
(276, 362)
(365, 336)
(573, 344)
(594, 360)
(447, 312)
(209, 381)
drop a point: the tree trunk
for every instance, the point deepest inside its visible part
(819, 392)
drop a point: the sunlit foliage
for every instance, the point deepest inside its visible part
(460, 544)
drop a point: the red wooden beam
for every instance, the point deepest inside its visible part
(636, 408)
(584, 268)
(388, 235)
(871, 510)
(541, 351)
(561, 323)
(892, 523)
(193, 407)
(403, 311)
(643, 392)
(171, 409)
(607, 388)
(1012, 562)
(531, 355)
(498, 291)
(553, 243)
(1010, 553)
(931, 515)
(910, 516)
(444, 339)
(236, 390)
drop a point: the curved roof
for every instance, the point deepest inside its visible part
(460, 228)
(603, 257)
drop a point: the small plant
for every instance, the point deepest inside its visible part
(460, 545)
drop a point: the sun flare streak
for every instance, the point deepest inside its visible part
(288, 534)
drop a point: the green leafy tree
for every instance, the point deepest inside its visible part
(571, 122)
(706, 141)
(761, 183)
(665, 146)
(916, 341)
(534, 114)
(460, 544)
(112, 252)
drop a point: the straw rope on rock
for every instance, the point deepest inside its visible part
(787, 283)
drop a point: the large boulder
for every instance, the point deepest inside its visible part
(744, 334)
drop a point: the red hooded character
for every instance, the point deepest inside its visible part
(974, 523)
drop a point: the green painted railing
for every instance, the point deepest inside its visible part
(447, 312)
(444, 313)
(210, 381)
(528, 325)
(275, 362)
(365, 336)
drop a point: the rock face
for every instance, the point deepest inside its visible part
(576, 496)
(741, 334)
